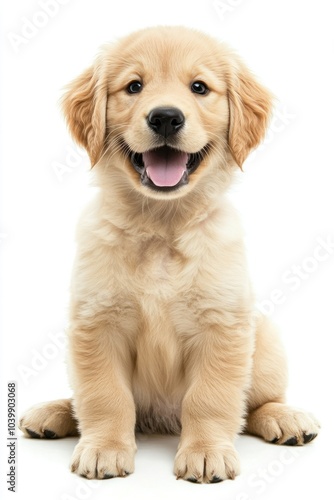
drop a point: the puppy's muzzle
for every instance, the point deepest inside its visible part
(165, 121)
(166, 167)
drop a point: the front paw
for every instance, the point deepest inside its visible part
(113, 459)
(200, 463)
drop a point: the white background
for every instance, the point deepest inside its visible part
(285, 197)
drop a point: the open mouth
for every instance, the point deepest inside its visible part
(165, 168)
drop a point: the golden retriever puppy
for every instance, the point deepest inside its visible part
(163, 333)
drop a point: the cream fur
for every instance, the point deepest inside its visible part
(163, 329)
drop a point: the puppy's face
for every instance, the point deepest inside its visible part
(167, 106)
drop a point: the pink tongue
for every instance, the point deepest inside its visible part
(165, 167)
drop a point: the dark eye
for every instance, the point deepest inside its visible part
(135, 87)
(199, 88)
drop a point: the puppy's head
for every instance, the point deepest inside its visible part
(165, 107)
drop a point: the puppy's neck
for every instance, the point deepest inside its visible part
(136, 214)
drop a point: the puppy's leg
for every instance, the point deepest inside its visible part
(217, 371)
(269, 416)
(104, 405)
(50, 420)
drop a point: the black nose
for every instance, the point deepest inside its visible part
(165, 121)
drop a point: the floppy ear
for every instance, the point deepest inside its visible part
(250, 108)
(84, 106)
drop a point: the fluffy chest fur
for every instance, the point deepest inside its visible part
(158, 289)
